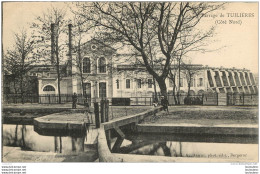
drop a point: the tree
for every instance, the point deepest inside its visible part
(189, 70)
(18, 60)
(140, 24)
(79, 28)
(51, 26)
(172, 76)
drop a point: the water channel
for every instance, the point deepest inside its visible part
(25, 137)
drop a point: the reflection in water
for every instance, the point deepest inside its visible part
(192, 149)
(25, 137)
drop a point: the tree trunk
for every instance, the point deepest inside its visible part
(80, 68)
(188, 94)
(162, 85)
(172, 78)
(155, 91)
(58, 68)
(21, 87)
(15, 90)
(179, 89)
(173, 93)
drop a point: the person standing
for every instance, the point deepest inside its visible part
(74, 100)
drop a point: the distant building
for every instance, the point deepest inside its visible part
(131, 81)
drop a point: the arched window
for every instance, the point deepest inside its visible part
(102, 65)
(48, 88)
(200, 92)
(86, 65)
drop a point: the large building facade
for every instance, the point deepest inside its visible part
(97, 75)
(132, 81)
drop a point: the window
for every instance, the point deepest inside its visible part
(200, 82)
(181, 82)
(102, 65)
(86, 65)
(127, 85)
(48, 88)
(139, 83)
(150, 83)
(102, 90)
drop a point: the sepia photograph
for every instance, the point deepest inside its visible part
(131, 82)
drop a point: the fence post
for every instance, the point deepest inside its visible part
(96, 111)
(202, 98)
(217, 98)
(102, 104)
(107, 111)
(227, 99)
(243, 94)
(49, 99)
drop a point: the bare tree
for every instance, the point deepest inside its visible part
(189, 71)
(172, 77)
(51, 27)
(18, 60)
(80, 28)
(139, 24)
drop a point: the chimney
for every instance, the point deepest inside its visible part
(52, 44)
(70, 52)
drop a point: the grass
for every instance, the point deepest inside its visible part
(207, 115)
(122, 111)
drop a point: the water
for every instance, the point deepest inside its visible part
(25, 137)
(193, 149)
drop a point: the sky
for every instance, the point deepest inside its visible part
(233, 45)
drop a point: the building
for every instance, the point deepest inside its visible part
(100, 76)
(131, 81)
(93, 78)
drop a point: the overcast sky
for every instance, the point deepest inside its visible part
(238, 43)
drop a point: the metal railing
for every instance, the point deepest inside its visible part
(183, 99)
(240, 99)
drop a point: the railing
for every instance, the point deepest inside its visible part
(242, 99)
(141, 101)
(41, 99)
(183, 99)
(214, 99)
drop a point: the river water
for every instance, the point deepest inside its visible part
(200, 150)
(25, 137)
